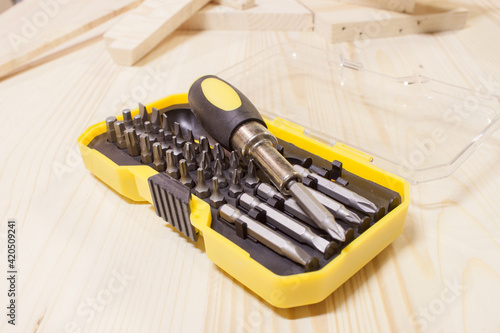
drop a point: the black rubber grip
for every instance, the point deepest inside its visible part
(221, 108)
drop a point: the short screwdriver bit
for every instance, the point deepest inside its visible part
(127, 118)
(143, 113)
(172, 168)
(219, 174)
(235, 189)
(110, 128)
(190, 156)
(138, 125)
(155, 120)
(217, 198)
(146, 156)
(185, 177)
(120, 134)
(158, 161)
(167, 129)
(132, 142)
(201, 190)
(251, 179)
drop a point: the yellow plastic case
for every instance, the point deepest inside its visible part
(280, 291)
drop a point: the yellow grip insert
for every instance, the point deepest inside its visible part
(220, 94)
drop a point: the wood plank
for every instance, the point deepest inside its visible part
(32, 28)
(236, 4)
(341, 22)
(285, 15)
(146, 26)
(403, 6)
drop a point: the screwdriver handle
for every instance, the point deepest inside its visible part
(221, 108)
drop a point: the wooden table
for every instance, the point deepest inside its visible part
(91, 261)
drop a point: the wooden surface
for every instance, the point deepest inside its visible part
(237, 4)
(404, 6)
(80, 242)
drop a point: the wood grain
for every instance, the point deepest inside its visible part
(403, 6)
(76, 235)
(236, 4)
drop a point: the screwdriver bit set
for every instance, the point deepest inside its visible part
(252, 229)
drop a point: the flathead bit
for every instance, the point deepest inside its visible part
(147, 127)
(190, 156)
(216, 199)
(120, 134)
(110, 128)
(205, 165)
(138, 125)
(127, 118)
(190, 137)
(158, 161)
(143, 113)
(185, 177)
(219, 174)
(201, 190)
(235, 189)
(178, 133)
(161, 139)
(172, 169)
(219, 154)
(251, 179)
(155, 120)
(176, 147)
(166, 127)
(146, 156)
(132, 142)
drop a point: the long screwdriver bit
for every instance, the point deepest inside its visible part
(340, 193)
(289, 226)
(269, 237)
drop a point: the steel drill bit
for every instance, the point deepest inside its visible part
(127, 118)
(289, 226)
(146, 156)
(166, 127)
(120, 134)
(155, 120)
(269, 237)
(190, 156)
(132, 142)
(143, 113)
(201, 190)
(217, 198)
(185, 177)
(110, 128)
(219, 174)
(340, 193)
(158, 161)
(172, 169)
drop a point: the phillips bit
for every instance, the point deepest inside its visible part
(155, 120)
(190, 137)
(219, 154)
(216, 199)
(172, 169)
(190, 156)
(127, 118)
(158, 161)
(251, 179)
(120, 134)
(338, 210)
(139, 128)
(201, 190)
(205, 147)
(146, 156)
(205, 165)
(340, 193)
(110, 129)
(176, 147)
(178, 134)
(235, 189)
(185, 177)
(147, 127)
(219, 174)
(143, 113)
(269, 237)
(166, 127)
(289, 226)
(132, 142)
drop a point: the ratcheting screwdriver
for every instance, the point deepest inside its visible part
(232, 120)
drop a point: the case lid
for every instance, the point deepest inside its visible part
(414, 126)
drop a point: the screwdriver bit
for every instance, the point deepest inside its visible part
(138, 124)
(146, 156)
(205, 165)
(147, 127)
(201, 190)
(338, 210)
(161, 139)
(176, 147)
(216, 199)
(158, 161)
(269, 238)
(289, 226)
(127, 118)
(120, 134)
(132, 142)
(110, 128)
(155, 120)
(166, 127)
(235, 189)
(340, 193)
(251, 179)
(190, 156)
(219, 174)
(185, 177)
(143, 113)
(172, 169)
(219, 154)
(205, 147)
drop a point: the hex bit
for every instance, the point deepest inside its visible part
(120, 134)
(110, 128)
(201, 190)
(158, 161)
(132, 142)
(217, 199)
(185, 177)
(172, 169)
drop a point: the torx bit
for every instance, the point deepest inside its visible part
(201, 190)
(110, 128)
(127, 118)
(251, 178)
(166, 127)
(161, 139)
(323, 218)
(185, 177)
(219, 174)
(132, 142)
(172, 169)
(340, 193)
(216, 199)
(205, 165)
(269, 237)
(338, 210)
(155, 120)
(190, 156)
(158, 161)
(235, 189)
(147, 127)
(120, 134)
(146, 156)
(143, 113)
(219, 154)
(176, 147)
(139, 128)
(289, 226)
